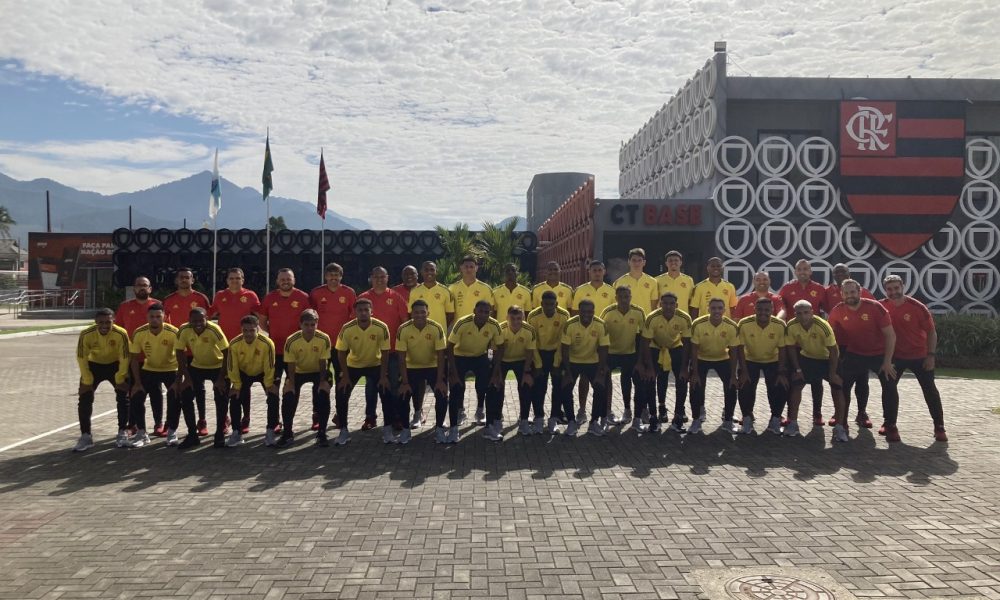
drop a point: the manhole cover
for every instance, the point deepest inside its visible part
(776, 587)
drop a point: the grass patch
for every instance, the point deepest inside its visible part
(38, 328)
(992, 374)
(995, 410)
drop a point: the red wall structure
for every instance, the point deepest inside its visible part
(567, 237)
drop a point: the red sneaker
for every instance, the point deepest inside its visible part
(882, 429)
(315, 421)
(202, 428)
(159, 430)
(368, 424)
(940, 435)
(832, 422)
(245, 424)
(863, 421)
(785, 422)
(133, 429)
(892, 434)
(278, 428)
(818, 420)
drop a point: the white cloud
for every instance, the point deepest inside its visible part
(442, 111)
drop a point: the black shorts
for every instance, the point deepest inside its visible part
(624, 362)
(814, 370)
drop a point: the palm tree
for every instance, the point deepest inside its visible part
(497, 244)
(5, 222)
(277, 223)
(457, 243)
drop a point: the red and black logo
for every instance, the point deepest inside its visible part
(902, 166)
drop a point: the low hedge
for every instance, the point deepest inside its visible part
(968, 342)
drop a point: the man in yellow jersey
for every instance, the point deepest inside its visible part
(468, 351)
(511, 293)
(549, 321)
(585, 345)
(421, 345)
(595, 290)
(563, 292)
(603, 296)
(674, 280)
(363, 351)
(813, 355)
(155, 341)
(714, 343)
(645, 290)
(103, 355)
(623, 321)
(440, 303)
(519, 344)
(762, 351)
(201, 351)
(250, 360)
(469, 291)
(713, 287)
(306, 357)
(665, 346)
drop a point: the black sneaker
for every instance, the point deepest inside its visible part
(285, 441)
(219, 441)
(322, 441)
(190, 441)
(654, 427)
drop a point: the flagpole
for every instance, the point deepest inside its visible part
(215, 256)
(267, 249)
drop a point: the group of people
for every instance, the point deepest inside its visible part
(557, 342)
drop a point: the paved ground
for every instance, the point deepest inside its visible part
(619, 517)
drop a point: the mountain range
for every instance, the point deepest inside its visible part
(166, 205)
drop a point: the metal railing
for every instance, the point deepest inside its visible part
(21, 301)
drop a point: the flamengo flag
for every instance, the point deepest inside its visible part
(902, 166)
(215, 199)
(324, 186)
(268, 167)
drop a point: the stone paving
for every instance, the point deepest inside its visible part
(624, 516)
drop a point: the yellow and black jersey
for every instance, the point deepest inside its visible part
(307, 355)
(159, 348)
(206, 348)
(472, 340)
(365, 346)
(92, 347)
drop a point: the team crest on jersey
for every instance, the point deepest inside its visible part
(295, 303)
(593, 334)
(813, 293)
(475, 293)
(256, 352)
(274, 303)
(486, 334)
(194, 304)
(864, 317)
(206, 340)
(113, 343)
(388, 301)
(684, 284)
(646, 285)
(723, 334)
(771, 336)
(428, 336)
(342, 300)
(604, 294)
(906, 317)
(164, 342)
(437, 296)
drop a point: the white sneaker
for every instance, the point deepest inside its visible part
(453, 435)
(388, 435)
(480, 416)
(140, 439)
(727, 426)
(572, 428)
(415, 421)
(791, 430)
(492, 432)
(538, 425)
(596, 428)
(637, 423)
(645, 415)
(172, 437)
(404, 437)
(552, 426)
(774, 425)
(613, 419)
(524, 427)
(677, 427)
(86, 442)
(626, 416)
(269, 437)
(581, 416)
(122, 440)
(441, 436)
(462, 418)
(840, 433)
(342, 438)
(747, 428)
(695, 426)
(235, 438)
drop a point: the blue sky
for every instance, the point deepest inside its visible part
(429, 112)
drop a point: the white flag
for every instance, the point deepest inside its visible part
(215, 199)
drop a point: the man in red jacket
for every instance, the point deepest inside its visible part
(916, 342)
(841, 273)
(234, 303)
(279, 314)
(334, 301)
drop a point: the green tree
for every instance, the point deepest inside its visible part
(457, 243)
(5, 222)
(497, 245)
(277, 223)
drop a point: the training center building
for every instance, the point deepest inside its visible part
(887, 175)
